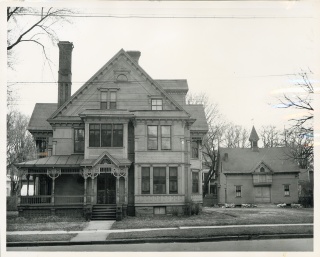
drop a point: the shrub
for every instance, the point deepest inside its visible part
(175, 211)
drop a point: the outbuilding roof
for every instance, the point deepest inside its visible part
(40, 114)
(245, 160)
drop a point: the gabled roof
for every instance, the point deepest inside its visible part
(197, 112)
(73, 160)
(253, 136)
(117, 161)
(40, 114)
(109, 63)
(245, 160)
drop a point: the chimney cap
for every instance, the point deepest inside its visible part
(135, 55)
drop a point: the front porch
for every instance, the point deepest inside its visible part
(75, 191)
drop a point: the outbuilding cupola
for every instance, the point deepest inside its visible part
(254, 138)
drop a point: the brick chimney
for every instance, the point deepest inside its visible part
(64, 73)
(135, 55)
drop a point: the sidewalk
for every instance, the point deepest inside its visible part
(99, 230)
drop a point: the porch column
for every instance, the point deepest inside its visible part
(92, 189)
(85, 192)
(126, 187)
(28, 177)
(53, 174)
(118, 191)
(52, 191)
(34, 184)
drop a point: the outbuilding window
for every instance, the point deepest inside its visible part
(286, 190)
(238, 191)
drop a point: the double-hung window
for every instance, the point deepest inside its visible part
(145, 180)
(195, 182)
(105, 135)
(156, 104)
(165, 137)
(94, 135)
(173, 180)
(159, 180)
(238, 191)
(108, 100)
(286, 190)
(195, 149)
(153, 137)
(78, 140)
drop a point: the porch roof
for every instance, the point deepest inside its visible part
(68, 161)
(117, 161)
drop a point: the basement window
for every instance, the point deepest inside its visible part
(159, 210)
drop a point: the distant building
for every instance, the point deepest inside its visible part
(124, 143)
(256, 175)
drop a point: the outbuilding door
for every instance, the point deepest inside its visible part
(262, 195)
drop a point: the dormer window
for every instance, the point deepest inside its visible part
(108, 100)
(262, 169)
(156, 104)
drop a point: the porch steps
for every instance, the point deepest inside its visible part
(103, 212)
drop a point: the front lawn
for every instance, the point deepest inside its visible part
(213, 232)
(221, 216)
(37, 238)
(45, 224)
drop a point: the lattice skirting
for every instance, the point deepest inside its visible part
(76, 213)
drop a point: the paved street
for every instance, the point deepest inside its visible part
(277, 245)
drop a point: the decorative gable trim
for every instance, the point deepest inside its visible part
(264, 166)
(103, 70)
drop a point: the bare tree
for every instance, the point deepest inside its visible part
(211, 141)
(38, 28)
(20, 145)
(300, 136)
(301, 99)
(235, 136)
(271, 136)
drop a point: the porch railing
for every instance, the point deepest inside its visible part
(35, 200)
(58, 200)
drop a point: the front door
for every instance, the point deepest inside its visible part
(106, 189)
(262, 194)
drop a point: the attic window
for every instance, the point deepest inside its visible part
(262, 169)
(156, 104)
(122, 77)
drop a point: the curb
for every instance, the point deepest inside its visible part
(161, 240)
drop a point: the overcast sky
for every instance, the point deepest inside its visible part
(242, 55)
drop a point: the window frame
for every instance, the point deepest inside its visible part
(106, 103)
(156, 106)
(161, 178)
(195, 182)
(101, 134)
(165, 137)
(238, 191)
(149, 136)
(75, 149)
(286, 189)
(193, 156)
(145, 179)
(173, 179)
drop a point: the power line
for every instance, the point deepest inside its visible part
(164, 17)
(138, 81)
